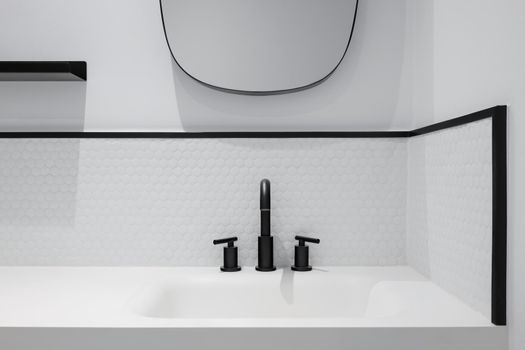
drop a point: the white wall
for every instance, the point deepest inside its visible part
(477, 56)
(134, 85)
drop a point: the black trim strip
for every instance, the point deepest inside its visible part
(469, 118)
(261, 93)
(204, 135)
(499, 216)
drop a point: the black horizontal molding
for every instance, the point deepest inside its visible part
(469, 118)
(43, 70)
(204, 135)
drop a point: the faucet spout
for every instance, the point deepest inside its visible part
(265, 207)
(265, 240)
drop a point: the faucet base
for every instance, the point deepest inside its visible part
(230, 269)
(302, 268)
(265, 250)
(265, 269)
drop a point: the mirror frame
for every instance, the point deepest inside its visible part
(261, 93)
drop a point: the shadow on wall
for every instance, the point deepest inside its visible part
(364, 92)
(422, 36)
(42, 106)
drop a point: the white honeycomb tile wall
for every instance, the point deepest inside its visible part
(163, 201)
(449, 215)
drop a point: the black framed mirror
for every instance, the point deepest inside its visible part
(259, 47)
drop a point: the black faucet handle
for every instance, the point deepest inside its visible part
(303, 239)
(301, 258)
(230, 254)
(228, 240)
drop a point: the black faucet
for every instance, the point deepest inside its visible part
(265, 240)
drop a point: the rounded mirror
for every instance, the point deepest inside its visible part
(258, 46)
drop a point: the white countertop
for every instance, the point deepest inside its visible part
(205, 297)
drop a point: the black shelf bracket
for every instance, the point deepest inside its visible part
(43, 71)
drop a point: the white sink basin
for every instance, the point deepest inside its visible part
(204, 297)
(247, 294)
(200, 308)
(331, 296)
